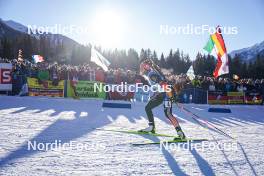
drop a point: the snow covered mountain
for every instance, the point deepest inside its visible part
(250, 53)
(10, 27)
(7, 31)
(13, 31)
(16, 26)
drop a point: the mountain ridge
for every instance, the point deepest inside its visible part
(249, 54)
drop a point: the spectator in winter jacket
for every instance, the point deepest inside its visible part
(228, 86)
(250, 85)
(43, 75)
(54, 76)
(205, 84)
(117, 76)
(99, 75)
(211, 86)
(110, 77)
(196, 82)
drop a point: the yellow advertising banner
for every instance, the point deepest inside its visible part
(46, 88)
(235, 97)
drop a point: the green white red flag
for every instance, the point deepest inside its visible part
(216, 46)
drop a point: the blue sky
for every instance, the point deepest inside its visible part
(138, 21)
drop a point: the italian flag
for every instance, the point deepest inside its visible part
(38, 58)
(216, 47)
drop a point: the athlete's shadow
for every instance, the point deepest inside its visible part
(63, 130)
(172, 163)
(203, 165)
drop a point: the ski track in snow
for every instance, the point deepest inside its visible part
(45, 120)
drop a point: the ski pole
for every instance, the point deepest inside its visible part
(198, 119)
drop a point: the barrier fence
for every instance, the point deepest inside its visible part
(193, 95)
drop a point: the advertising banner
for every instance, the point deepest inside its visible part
(217, 97)
(235, 97)
(5, 77)
(45, 89)
(84, 89)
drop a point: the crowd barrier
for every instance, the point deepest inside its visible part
(85, 89)
(193, 95)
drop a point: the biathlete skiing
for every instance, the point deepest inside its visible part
(153, 75)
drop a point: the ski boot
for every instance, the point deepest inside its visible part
(180, 133)
(149, 129)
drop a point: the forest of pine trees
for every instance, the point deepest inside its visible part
(175, 60)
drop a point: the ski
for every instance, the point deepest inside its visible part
(136, 132)
(171, 141)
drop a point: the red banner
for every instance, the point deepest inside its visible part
(217, 97)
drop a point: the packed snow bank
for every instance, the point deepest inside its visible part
(25, 120)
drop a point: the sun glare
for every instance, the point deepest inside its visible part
(108, 29)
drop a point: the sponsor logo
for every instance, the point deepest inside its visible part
(5, 76)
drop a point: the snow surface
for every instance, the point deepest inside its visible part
(45, 120)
